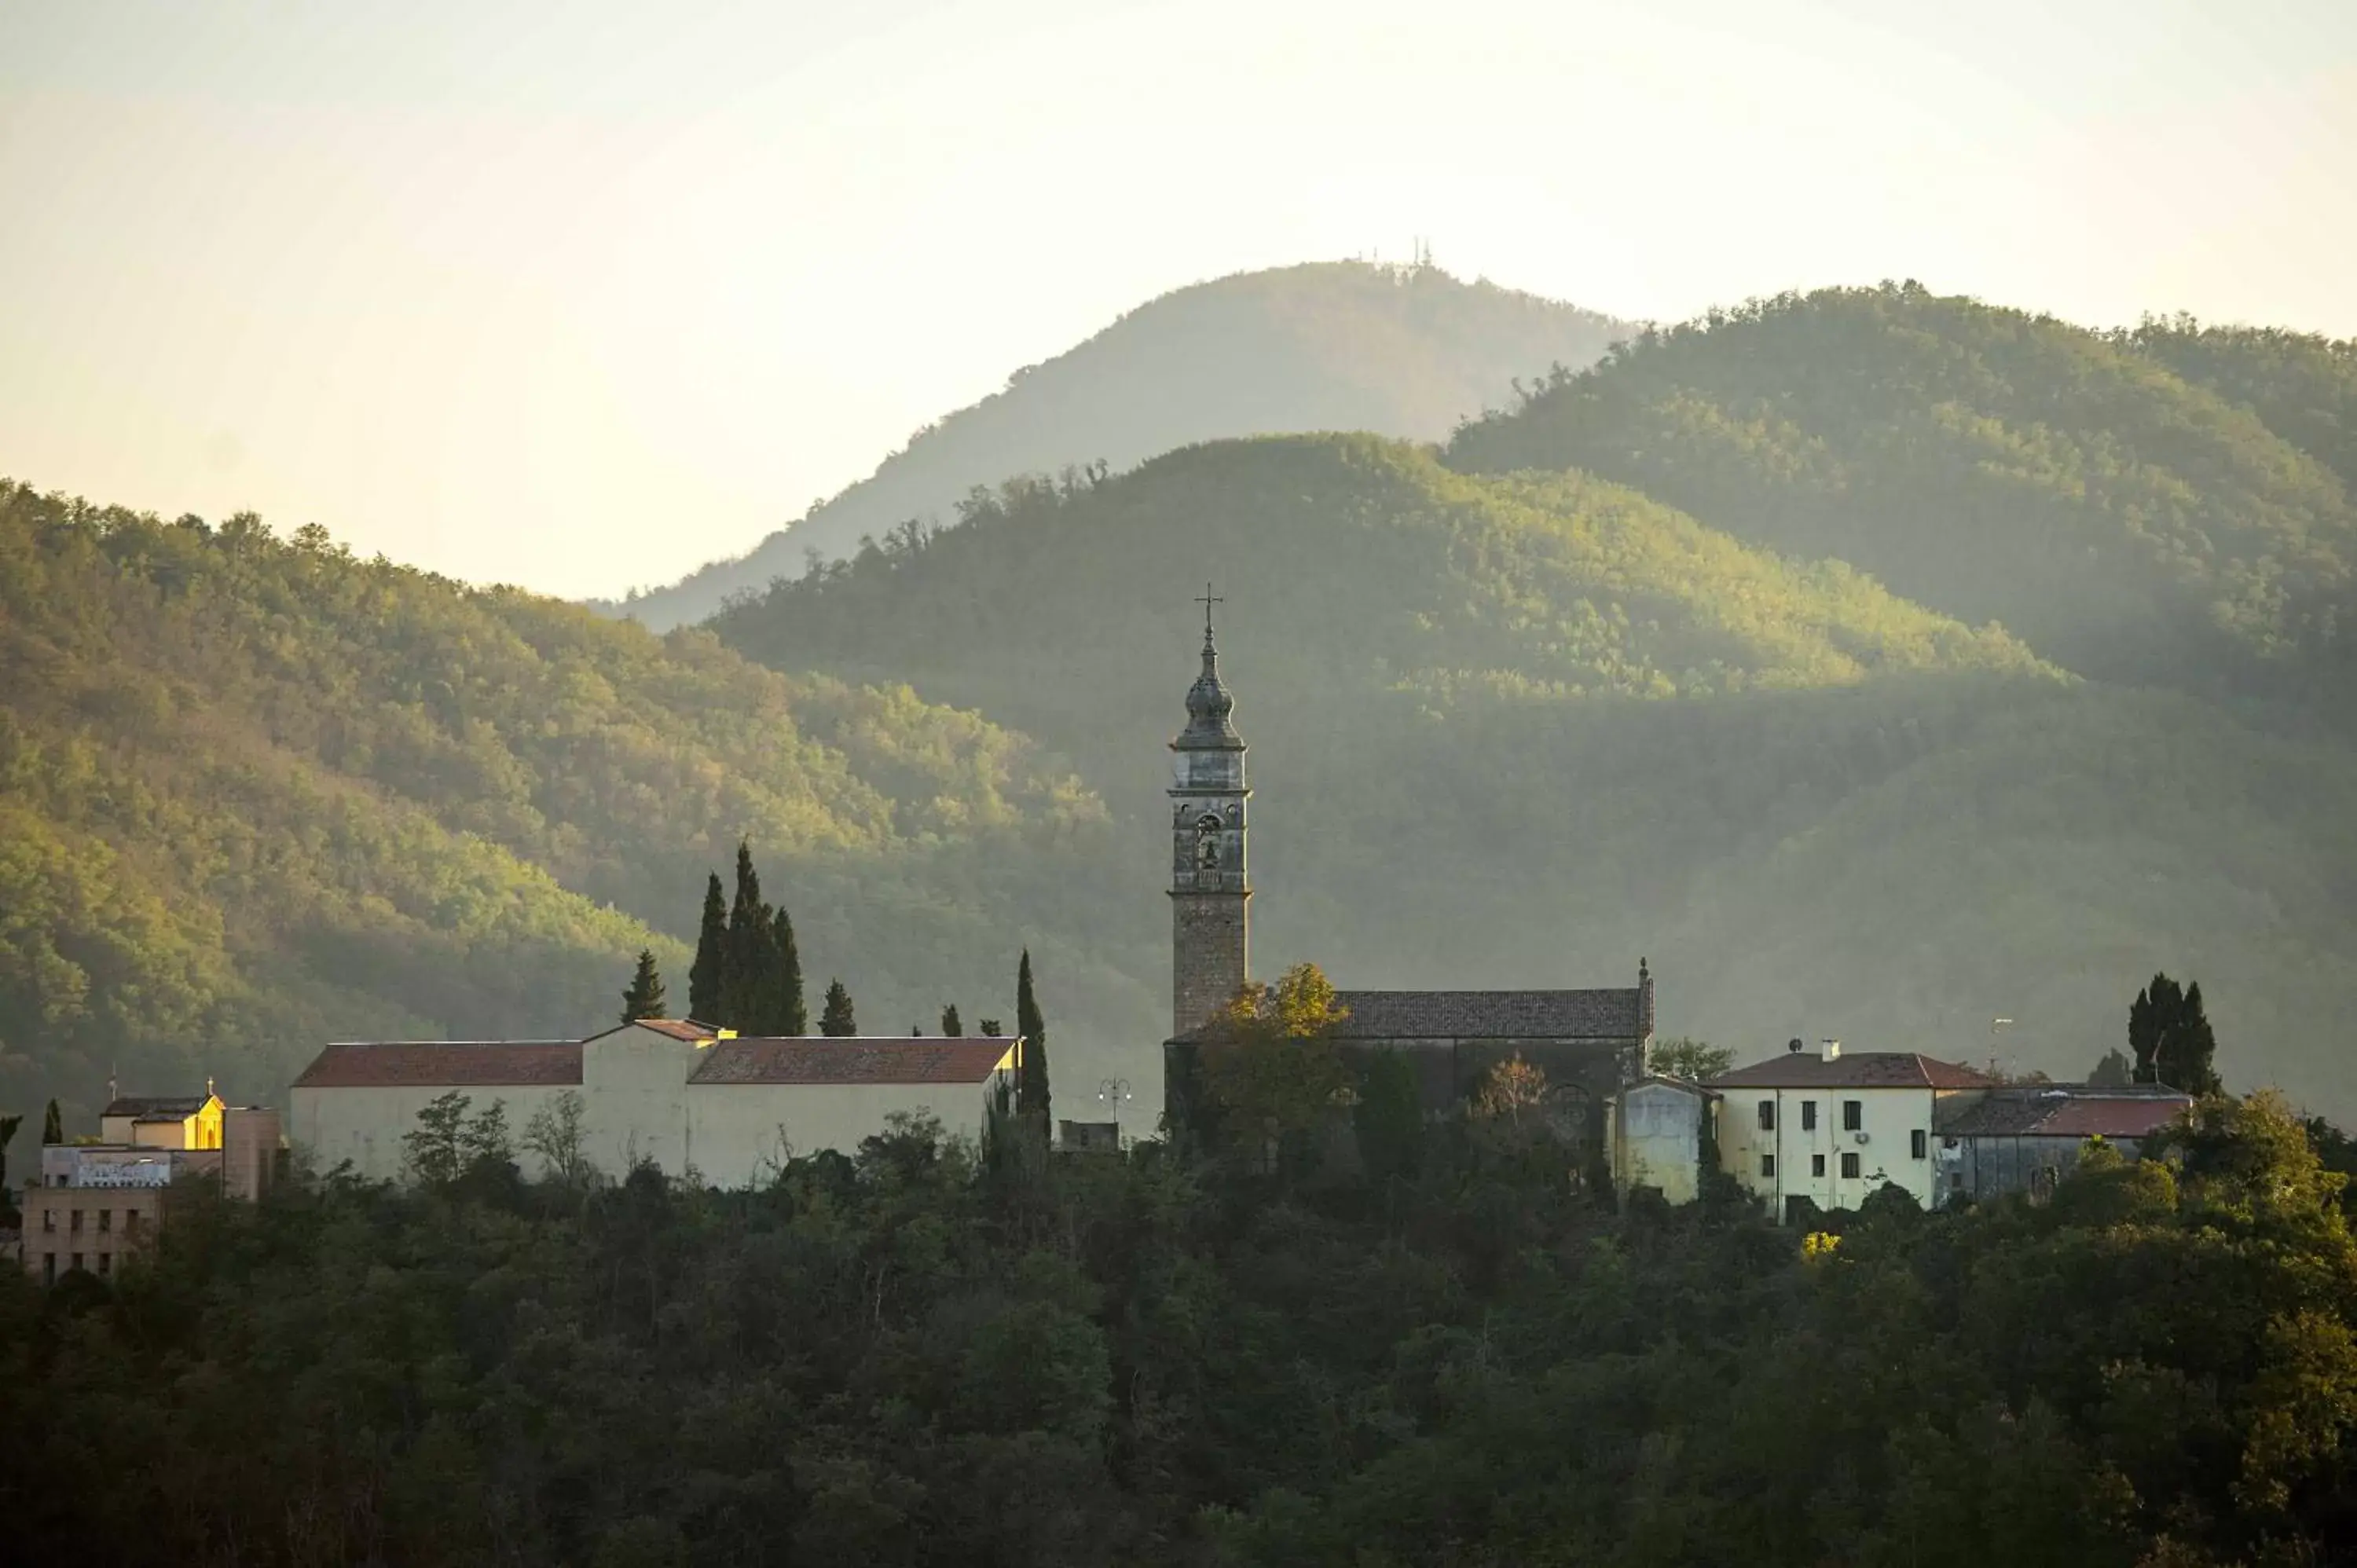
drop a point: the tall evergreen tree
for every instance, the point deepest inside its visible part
(837, 1020)
(745, 972)
(711, 955)
(644, 999)
(789, 1014)
(53, 1125)
(951, 1024)
(2169, 1032)
(1031, 1091)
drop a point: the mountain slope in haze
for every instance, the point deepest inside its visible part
(2302, 386)
(1355, 567)
(1521, 730)
(1405, 352)
(1986, 462)
(256, 794)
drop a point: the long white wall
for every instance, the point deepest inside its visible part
(638, 1105)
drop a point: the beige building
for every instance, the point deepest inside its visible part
(1833, 1126)
(1656, 1131)
(93, 1204)
(675, 1093)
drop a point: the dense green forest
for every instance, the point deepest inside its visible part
(1521, 730)
(256, 794)
(2127, 520)
(1403, 351)
(918, 1356)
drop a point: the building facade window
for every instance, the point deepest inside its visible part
(1853, 1115)
(77, 1260)
(131, 1222)
(1767, 1116)
(1920, 1143)
(105, 1264)
(106, 1220)
(1808, 1116)
(1768, 1165)
(1849, 1165)
(73, 1221)
(49, 1219)
(1816, 1164)
(49, 1268)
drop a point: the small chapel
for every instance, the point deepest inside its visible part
(1589, 1043)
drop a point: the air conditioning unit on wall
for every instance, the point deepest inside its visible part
(1860, 1137)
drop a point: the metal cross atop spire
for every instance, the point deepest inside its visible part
(1207, 599)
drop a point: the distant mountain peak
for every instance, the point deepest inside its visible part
(1404, 351)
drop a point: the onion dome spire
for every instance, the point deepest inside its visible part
(1209, 703)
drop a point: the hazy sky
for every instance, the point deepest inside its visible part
(580, 294)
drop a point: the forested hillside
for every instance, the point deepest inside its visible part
(1520, 731)
(2127, 520)
(1431, 1348)
(1404, 351)
(256, 794)
(2302, 386)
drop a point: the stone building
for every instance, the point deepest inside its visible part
(93, 1204)
(1588, 1042)
(2027, 1137)
(672, 1092)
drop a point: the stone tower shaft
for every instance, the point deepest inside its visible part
(1210, 885)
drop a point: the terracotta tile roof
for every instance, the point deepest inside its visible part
(1852, 1069)
(458, 1064)
(2067, 1110)
(1608, 1014)
(859, 1059)
(686, 1029)
(155, 1108)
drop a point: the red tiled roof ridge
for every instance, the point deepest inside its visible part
(852, 1058)
(1855, 1069)
(429, 1064)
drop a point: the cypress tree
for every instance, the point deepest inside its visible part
(951, 1024)
(745, 972)
(53, 1125)
(1032, 1091)
(711, 956)
(2187, 1052)
(789, 1014)
(644, 999)
(2169, 1032)
(837, 1021)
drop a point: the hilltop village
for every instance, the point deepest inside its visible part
(1803, 1132)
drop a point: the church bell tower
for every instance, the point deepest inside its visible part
(1211, 895)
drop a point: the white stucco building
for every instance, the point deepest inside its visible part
(1834, 1126)
(677, 1093)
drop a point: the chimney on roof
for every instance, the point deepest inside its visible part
(1832, 1049)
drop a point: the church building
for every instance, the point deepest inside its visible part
(1589, 1043)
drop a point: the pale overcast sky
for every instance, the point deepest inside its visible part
(581, 294)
